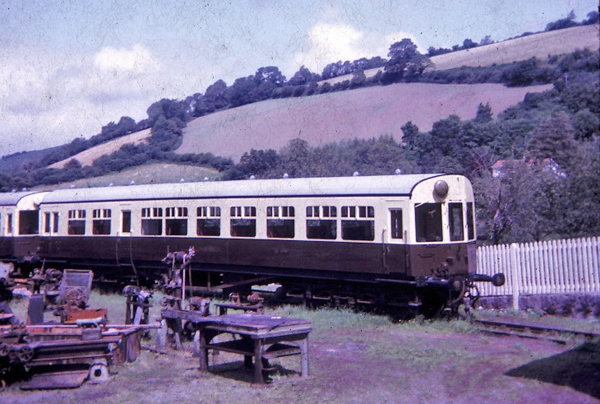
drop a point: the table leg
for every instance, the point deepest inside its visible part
(203, 354)
(258, 366)
(303, 345)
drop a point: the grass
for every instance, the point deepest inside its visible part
(354, 357)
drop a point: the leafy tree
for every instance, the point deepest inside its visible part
(400, 54)
(410, 132)
(303, 76)
(484, 113)
(258, 162)
(592, 18)
(241, 92)
(567, 22)
(521, 205)
(486, 40)
(358, 79)
(554, 138)
(295, 158)
(214, 97)
(586, 124)
(581, 199)
(469, 43)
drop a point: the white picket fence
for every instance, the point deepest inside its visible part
(557, 266)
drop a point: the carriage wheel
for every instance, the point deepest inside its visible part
(25, 354)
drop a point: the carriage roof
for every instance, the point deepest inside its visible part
(392, 185)
(12, 198)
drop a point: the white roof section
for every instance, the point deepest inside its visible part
(392, 185)
(12, 198)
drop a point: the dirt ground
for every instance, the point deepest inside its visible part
(360, 363)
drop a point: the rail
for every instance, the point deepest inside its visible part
(530, 329)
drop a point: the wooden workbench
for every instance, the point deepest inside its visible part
(262, 337)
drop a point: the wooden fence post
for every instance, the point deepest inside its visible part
(514, 272)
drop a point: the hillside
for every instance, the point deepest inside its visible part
(539, 45)
(158, 173)
(320, 119)
(87, 157)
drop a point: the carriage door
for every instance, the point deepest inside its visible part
(394, 253)
(124, 240)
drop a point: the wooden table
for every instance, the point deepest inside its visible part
(256, 308)
(262, 337)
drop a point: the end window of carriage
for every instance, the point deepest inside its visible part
(208, 223)
(176, 222)
(101, 221)
(321, 222)
(280, 221)
(428, 219)
(358, 223)
(76, 222)
(152, 221)
(456, 222)
(243, 221)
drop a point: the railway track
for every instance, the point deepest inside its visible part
(535, 330)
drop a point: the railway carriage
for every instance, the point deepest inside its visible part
(399, 240)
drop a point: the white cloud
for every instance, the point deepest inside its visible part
(329, 43)
(48, 100)
(137, 60)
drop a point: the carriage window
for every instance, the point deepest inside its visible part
(29, 222)
(470, 221)
(321, 211)
(126, 221)
(47, 222)
(455, 218)
(243, 221)
(321, 226)
(55, 222)
(396, 230)
(278, 223)
(358, 211)
(321, 229)
(429, 222)
(209, 221)
(101, 221)
(152, 221)
(176, 223)
(9, 223)
(76, 225)
(355, 227)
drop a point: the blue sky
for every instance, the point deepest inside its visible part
(69, 67)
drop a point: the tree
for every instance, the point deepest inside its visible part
(241, 92)
(469, 43)
(400, 54)
(303, 76)
(592, 18)
(484, 113)
(522, 205)
(554, 138)
(214, 97)
(410, 132)
(562, 23)
(487, 40)
(358, 79)
(586, 124)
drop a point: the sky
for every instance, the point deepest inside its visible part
(69, 67)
